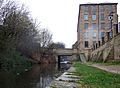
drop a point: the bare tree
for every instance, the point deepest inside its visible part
(57, 45)
(20, 29)
(44, 38)
(22, 32)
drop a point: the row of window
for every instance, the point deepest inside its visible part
(86, 17)
(101, 8)
(86, 35)
(94, 17)
(94, 35)
(86, 43)
(94, 26)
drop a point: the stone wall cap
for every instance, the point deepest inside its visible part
(98, 4)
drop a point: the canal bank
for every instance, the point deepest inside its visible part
(85, 76)
(67, 80)
(40, 76)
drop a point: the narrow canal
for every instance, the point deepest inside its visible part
(39, 76)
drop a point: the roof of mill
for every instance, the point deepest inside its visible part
(99, 4)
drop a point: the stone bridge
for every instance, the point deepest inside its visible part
(65, 52)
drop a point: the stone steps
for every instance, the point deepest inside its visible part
(66, 80)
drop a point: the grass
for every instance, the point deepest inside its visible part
(95, 78)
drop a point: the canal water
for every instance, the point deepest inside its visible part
(39, 76)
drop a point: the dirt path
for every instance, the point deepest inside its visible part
(109, 68)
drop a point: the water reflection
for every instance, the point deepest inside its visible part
(38, 77)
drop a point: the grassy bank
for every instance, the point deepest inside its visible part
(95, 78)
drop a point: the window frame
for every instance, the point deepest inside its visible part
(101, 34)
(86, 44)
(85, 17)
(93, 10)
(102, 27)
(110, 8)
(94, 26)
(86, 8)
(86, 25)
(94, 35)
(85, 35)
(94, 17)
(102, 17)
(101, 7)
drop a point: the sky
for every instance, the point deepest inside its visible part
(59, 16)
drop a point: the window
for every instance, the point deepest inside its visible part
(93, 17)
(101, 35)
(86, 8)
(102, 26)
(86, 44)
(94, 42)
(102, 16)
(109, 26)
(101, 8)
(85, 35)
(94, 35)
(85, 17)
(110, 34)
(110, 8)
(85, 25)
(93, 9)
(93, 26)
(98, 43)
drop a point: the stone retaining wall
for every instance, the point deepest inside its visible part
(109, 51)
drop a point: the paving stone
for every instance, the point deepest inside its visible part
(66, 80)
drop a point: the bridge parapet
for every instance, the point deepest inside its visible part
(65, 51)
(75, 51)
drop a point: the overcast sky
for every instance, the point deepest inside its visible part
(59, 16)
